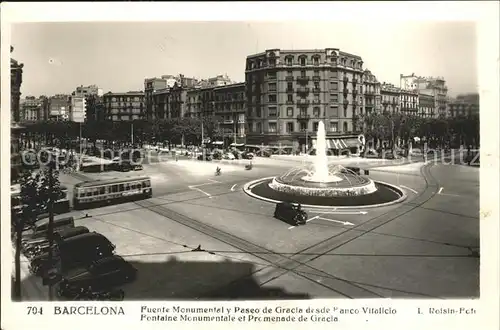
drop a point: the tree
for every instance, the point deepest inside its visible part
(35, 196)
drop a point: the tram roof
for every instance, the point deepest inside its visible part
(110, 181)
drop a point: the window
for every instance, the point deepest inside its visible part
(259, 127)
(273, 112)
(271, 75)
(289, 73)
(303, 73)
(334, 97)
(290, 97)
(115, 188)
(303, 126)
(289, 112)
(316, 112)
(272, 127)
(289, 127)
(316, 73)
(345, 127)
(302, 61)
(334, 126)
(316, 60)
(316, 98)
(333, 60)
(272, 87)
(315, 126)
(289, 61)
(316, 84)
(258, 112)
(334, 111)
(345, 113)
(272, 98)
(289, 86)
(334, 86)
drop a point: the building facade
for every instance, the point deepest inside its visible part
(151, 85)
(464, 105)
(230, 109)
(16, 79)
(58, 107)
(290, 91)
(31, 108)
(94, 109)
(409, 101)
(371, 93)
(435, 86)
(390, 96)
(200, 102)
(426, 106)
(124, 106)
(77, 108)
(84, 91)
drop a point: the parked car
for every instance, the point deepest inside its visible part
(99, 275)
(263, 153)
(228, 155)
(41, 227)
(217, 155)
(37, 246)
(208, 157)
(75, 251)
(290, 213)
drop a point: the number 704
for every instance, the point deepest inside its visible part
(33, 310)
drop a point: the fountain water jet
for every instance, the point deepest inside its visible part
(321, 173)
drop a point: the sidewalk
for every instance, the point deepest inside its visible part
(32, 288)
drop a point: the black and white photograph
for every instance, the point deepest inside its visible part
(244, 160)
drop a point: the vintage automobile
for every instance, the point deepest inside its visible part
(73, 252)
(290, 213)
(247, 155)
(208, 157)
(37, 246)
(100, 275)
(41, 227)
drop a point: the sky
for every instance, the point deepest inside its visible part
(118, 56)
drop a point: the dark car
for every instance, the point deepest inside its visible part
(290, 213)
(75, 251)
(100, 275)
(208, 157)
(38, 246)
(41, 227)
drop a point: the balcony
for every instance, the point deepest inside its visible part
(303, 79)
(354, 81)
(289, 90)
(370, 93)
(354, 92)
(345, 79)
(316, 78)
(228, 122)
(316, 101)
(302, 90)
(316, 90)
(289, 78)
(302, 101)
(345, 91)
(289, 102)
(303, 117)
(346, 102)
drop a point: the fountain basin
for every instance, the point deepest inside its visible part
(340, 188)
(385, 195)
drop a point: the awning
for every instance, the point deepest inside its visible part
(218, 143)
(340, 143)
(237, 145)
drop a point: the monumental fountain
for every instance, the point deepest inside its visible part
(320, 184)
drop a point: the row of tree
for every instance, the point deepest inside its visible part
(385, 127)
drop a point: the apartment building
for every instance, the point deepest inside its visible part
(230, 109)
(95, 110)
(290, 91)
(77, 108)
(371, 93)
(31, 108)
(426, 106)
(58, 107)
(124, 106)
(390, 96)
(408, 101)
(464, 105)
(84, 91)
(200, 102)
(435, 86)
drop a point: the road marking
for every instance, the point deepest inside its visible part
(440, 190)
(197, 189)
(451, 195)
(214, 181)
(346, 223)
(316, 217)
(339, 212)
(234, 185)
(410, 189)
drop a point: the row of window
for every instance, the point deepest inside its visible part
(125, 117)
(290, 112)
(96, 191)
(302, 61)
(125, 98)
(303, 126)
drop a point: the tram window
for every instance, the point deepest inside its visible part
(121, 187)
(96, 191)
(102, 190)
(127, 186)
(115, 188)
(88, 192)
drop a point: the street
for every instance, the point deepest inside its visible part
(421, 248)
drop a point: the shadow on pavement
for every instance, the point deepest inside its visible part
(174, 279)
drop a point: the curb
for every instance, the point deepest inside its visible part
(251, 184)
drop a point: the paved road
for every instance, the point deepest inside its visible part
(424, 247)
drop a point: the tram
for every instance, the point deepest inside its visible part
(101, 192)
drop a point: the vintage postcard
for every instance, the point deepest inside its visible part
(281, 164)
